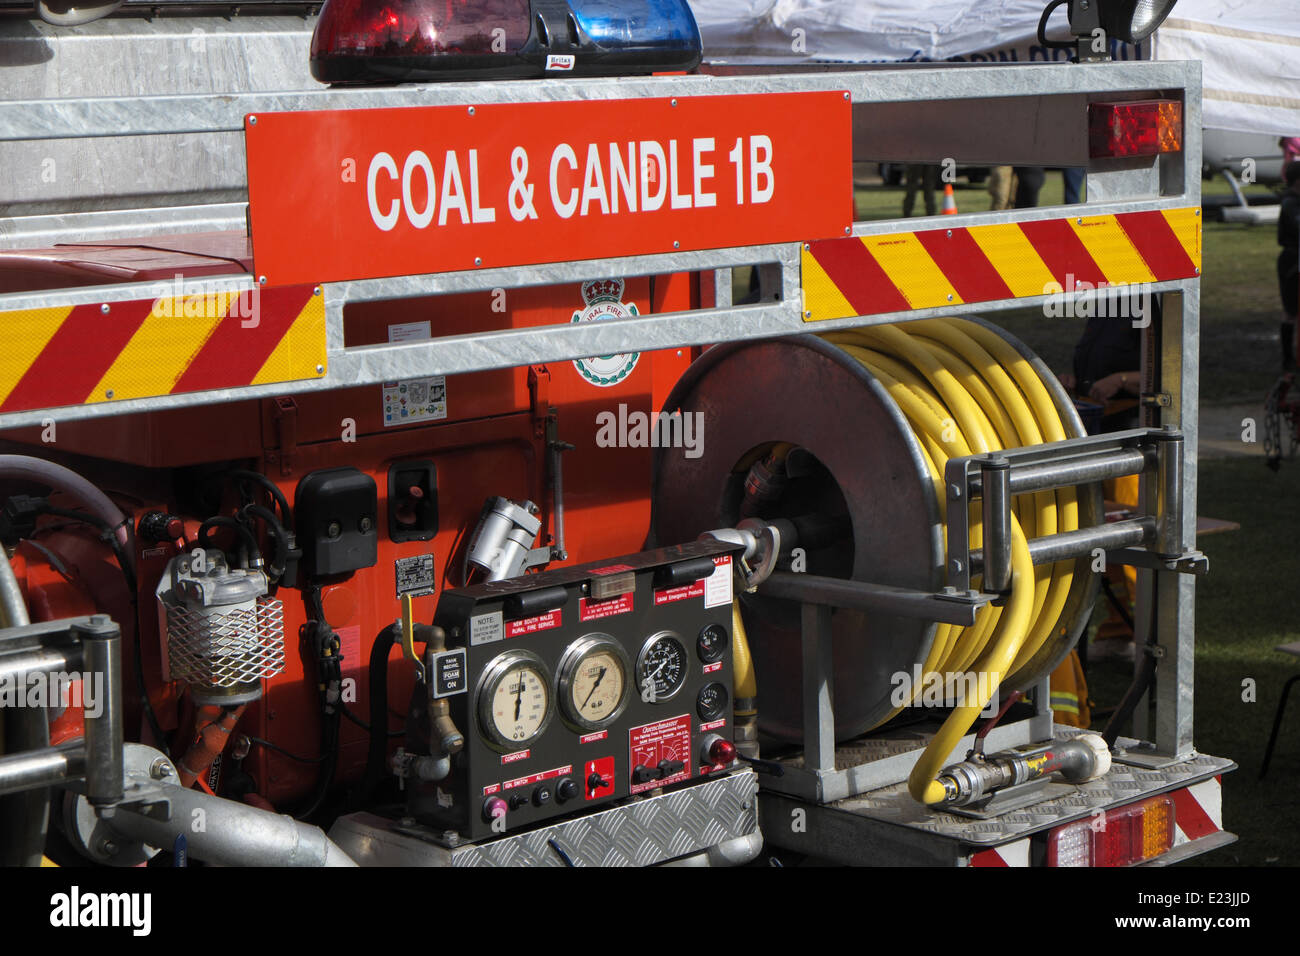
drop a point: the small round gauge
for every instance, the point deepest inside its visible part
(712, 643)
(711, 704)
(593, 681)
(514, 699)
(661, 667)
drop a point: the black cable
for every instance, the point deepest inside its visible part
(1142, 682)
(246, 536)
(280, 750)
(280, 500)
(343, 708)
(325, 642)
(1116, 603)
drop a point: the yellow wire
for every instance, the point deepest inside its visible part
(965, 391)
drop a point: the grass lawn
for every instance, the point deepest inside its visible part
(1250, 600)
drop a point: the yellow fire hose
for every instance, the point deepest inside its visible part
(964, 391)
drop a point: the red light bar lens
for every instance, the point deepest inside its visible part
(1138, 128)
(369, 40)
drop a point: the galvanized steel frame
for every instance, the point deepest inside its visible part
(931, 88)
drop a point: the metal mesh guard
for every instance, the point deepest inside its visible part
(226, 648)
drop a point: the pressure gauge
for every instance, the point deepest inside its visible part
(514, 699)
(593, 681)
(661, 667)
(711, 704)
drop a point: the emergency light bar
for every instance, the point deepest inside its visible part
(388, 41)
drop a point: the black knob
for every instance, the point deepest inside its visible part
(596, 781)
(566, 790)
(668, 768)
(517, 800)
(643, 774)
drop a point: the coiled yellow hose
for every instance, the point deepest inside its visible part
(964, 391)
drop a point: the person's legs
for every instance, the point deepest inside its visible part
(930, 183)
(912, 180)
(1001, 186)
(1029, 183)
(1073, 176)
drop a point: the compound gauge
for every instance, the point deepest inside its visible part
(661, 667)
(514, 699)
(593, 681)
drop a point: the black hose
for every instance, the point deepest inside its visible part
(277, 531)
(280, 500)
(378, 676)
(246, 536)
(127, 566)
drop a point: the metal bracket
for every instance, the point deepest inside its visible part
(1189, 562)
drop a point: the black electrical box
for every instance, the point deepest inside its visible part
(336, 510)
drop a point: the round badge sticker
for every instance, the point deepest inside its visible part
(604, 298)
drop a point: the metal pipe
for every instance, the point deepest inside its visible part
(24, 817)
(1045, 476)
(1169, 494)
(1072, 544)
(233, 834)
(858, 595)
(101, 640)
(14, 668)
(41, 768)
(995, 475)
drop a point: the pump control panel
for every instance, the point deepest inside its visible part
(584, 686)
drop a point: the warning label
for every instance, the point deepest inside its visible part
(414, 575)
(589, 610)
(663, 747)
(531, 625)
(415, 400)
(717, 586)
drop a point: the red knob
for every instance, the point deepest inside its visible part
(175, 528)
(494, 807)
(722, 753)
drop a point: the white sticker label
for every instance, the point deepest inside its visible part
(415, 400)
(561, 61)
(486, 628)
(717, 586)
(410, 332)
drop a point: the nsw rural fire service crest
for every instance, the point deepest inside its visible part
(604, 298)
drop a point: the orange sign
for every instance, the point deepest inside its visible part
(357, 194)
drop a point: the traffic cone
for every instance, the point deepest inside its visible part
(949, 201)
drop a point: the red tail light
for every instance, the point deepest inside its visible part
(1120, 837)
(1139, 128)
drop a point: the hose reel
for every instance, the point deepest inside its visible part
(875, 415)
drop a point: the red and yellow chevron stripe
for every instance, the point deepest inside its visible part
(900, 271)
(146, 348)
